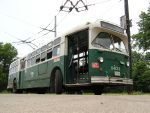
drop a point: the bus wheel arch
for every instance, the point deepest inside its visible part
(56, 81)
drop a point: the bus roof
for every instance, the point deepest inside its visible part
(98, 23)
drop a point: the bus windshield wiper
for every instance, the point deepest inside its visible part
(118, 49)
(101, 45)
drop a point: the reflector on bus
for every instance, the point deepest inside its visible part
(95, 65)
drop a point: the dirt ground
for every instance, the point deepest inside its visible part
(49, 103)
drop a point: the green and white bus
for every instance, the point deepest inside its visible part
(90, 56)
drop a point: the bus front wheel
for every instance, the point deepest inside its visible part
(130, 89)
(58, 82)
(98, 90)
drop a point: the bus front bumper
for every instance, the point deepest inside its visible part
(111, 80)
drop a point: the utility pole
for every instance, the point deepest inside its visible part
(128, 25)
(54, 30)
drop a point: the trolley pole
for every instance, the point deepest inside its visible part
(128, 25)
(55, 25)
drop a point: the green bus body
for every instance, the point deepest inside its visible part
(80, 63)
(39, 75)
(117, 63)
(36, 76)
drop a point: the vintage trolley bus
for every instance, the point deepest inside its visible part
(90, 56)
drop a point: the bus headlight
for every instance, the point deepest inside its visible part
(128, 63)
(101, 59)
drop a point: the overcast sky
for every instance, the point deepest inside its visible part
(21, 19)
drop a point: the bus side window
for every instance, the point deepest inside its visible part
(22, 64)
(49, 53)
(32, 60)
(28, 63)
(43, 56)
(56, 51)
(37, 58)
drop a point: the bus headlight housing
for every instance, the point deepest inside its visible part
(128, 63)
(101, 59)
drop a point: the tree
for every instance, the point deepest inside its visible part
(3, 79)
(141, 72)
(139, 68)
(143, 36)
(136, 57)
(7, 53)
(141, 62)
(147, 56)
(145, 81)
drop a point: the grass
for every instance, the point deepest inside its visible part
(90, 93)
(5, 92)
(125, 93)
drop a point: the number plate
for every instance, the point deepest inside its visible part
(117, 73)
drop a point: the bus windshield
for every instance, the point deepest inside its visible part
(109, 41)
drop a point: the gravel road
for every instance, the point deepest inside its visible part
(47, 103)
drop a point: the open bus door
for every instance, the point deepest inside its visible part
(77, 60)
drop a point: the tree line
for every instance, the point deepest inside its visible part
(141, 60)
(7, 54)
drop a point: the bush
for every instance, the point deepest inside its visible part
(3, 81)
(141, 76)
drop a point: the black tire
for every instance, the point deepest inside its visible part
(130, 89)
(58, 82)
(98, 90)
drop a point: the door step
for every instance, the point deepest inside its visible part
(77, 84)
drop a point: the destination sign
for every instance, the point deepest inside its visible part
(111, 26)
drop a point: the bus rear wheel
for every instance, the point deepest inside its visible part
(58, 82)
(14, 88)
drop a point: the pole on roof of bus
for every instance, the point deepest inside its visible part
(128, 25)
(55, 25)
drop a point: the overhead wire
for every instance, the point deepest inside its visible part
(62, 19)
(20, 20)
(56, 25)
(45, 28)
(69, 13)
(112, 6)
(22, 41)
(96, 3)
(48, 24)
